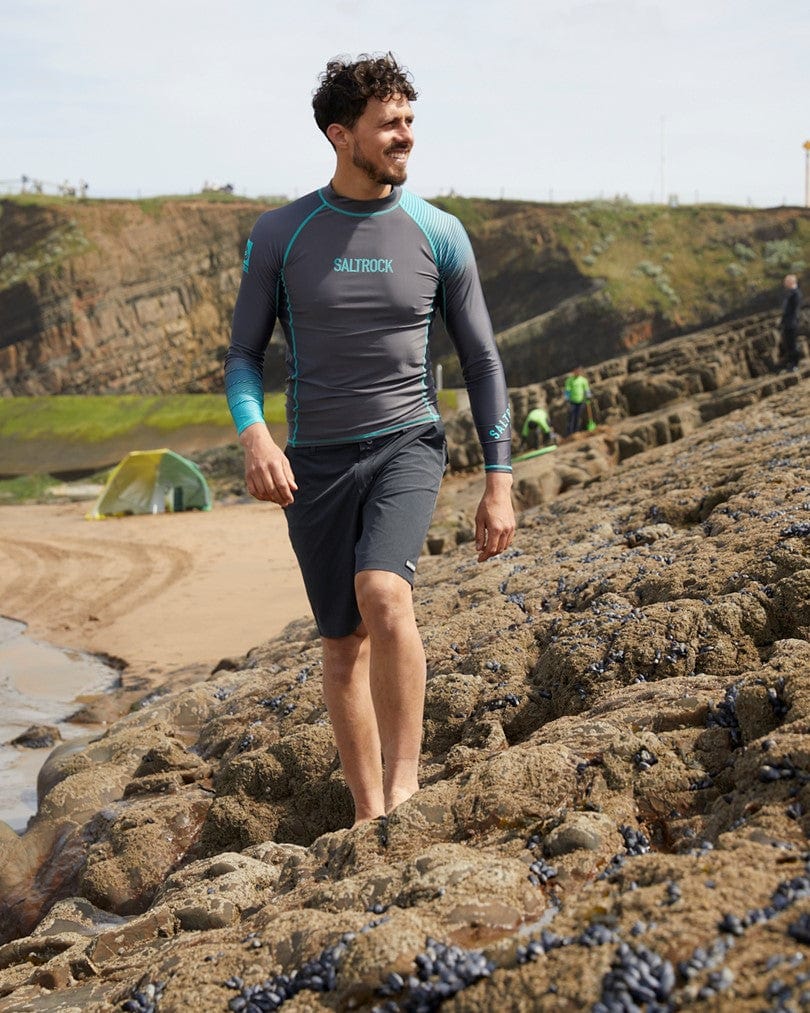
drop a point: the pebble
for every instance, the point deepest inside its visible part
(800, 929)
(638, 976)
(644, 759)
(144, 998)
(318, 975)
(540, 872)
(635, 841)
(724, 715)
(441, 972)
(800, 530)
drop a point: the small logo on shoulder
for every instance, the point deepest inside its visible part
(411, 566)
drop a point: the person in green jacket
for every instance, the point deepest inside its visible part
(536, 429)
(577, 393)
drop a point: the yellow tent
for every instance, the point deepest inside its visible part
(152, 482)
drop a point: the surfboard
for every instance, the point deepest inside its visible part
(535, 453)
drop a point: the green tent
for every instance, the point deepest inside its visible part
(152, 482)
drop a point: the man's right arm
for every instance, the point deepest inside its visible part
(268, 473)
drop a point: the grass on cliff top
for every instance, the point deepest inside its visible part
(690, 263)
(95, 418)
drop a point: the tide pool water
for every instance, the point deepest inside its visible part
(39, 685)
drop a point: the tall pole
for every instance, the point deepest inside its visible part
(807, 174)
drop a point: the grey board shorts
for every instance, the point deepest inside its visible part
(361, 506)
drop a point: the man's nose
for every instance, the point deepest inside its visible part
(405, 134)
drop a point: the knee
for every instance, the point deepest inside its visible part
(385, 601)
(341, 654)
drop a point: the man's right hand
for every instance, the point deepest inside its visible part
(268, 474)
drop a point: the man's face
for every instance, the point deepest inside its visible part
(382, 140)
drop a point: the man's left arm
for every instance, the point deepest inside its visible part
(470, 329)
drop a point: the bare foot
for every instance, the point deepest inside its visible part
(397, 798)
(362, 820)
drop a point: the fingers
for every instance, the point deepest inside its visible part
(493, 535)
(272, 480)
(494, 543)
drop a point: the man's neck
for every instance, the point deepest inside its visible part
(359, 188)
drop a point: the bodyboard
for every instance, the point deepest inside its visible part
(535, 453)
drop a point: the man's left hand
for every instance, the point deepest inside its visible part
(495, 518)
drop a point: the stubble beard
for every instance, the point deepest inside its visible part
(381, 177)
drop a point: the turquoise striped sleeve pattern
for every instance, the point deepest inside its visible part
(254, 317)
(245, 393)
(449, 242)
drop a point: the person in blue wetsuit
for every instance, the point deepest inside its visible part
(356, 272)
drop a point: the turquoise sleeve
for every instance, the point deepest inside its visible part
(245, 393)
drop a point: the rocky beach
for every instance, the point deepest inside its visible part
(615, 775)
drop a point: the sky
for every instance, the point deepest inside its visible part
(543, 100)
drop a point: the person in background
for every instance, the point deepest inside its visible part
(577, 393)
(355, 271)
(791, 310)
(537, 430)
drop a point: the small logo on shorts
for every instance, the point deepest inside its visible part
(411, 566)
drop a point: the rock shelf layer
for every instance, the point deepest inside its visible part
(616, 782)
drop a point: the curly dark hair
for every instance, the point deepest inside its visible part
(346, 87)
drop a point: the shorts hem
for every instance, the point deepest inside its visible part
(400, 571)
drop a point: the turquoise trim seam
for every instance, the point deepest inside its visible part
(359, 214)
(293, 342)
(409, 208)
(368, 436)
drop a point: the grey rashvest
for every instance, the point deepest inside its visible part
(356, 286)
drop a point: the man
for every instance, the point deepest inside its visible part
(537, 422)
(355, 272)
(577, 393)
(791, 310)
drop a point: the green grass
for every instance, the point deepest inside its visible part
(64, 241)
(686, 263)
(25, 488)
(93, 419)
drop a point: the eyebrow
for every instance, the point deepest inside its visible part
(390, 117)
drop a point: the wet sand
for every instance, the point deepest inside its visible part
(164, 597)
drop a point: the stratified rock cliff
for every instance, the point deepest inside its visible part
(616, 782)
(118, 297)
(137, 296)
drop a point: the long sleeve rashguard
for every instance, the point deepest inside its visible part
(356, 286)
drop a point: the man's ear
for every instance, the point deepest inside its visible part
(338, 135)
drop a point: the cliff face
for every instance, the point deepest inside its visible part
(120, 297)
(573, 285)
(114, 297)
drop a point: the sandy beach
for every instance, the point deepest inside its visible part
(160, 592)
(165, 596)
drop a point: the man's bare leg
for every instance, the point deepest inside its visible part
(348, 699)
(397, 678)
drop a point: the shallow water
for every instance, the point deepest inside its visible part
(39, 684)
